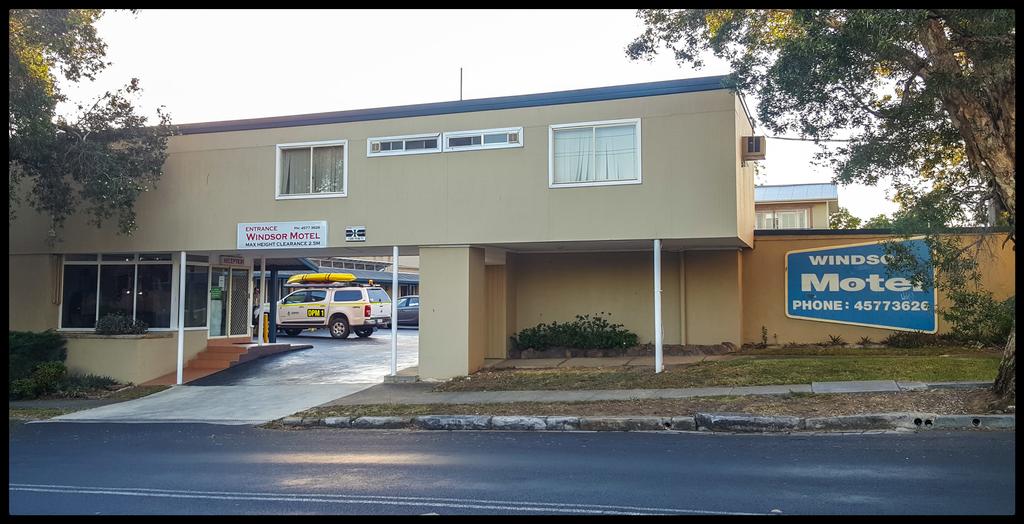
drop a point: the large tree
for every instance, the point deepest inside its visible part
(102, 156)
(924, 98)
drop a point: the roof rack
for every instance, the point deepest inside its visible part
(331, 284)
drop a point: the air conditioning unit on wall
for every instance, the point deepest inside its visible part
(753, 147)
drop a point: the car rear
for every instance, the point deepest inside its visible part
(378, 311)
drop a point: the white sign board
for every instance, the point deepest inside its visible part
(355, 234)
(282, 235)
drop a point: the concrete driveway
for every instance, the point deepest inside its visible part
(271, 387)
(329, 361)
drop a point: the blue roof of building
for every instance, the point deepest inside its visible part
(667, 87)
(795, 193)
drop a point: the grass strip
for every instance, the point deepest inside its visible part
(739, 372)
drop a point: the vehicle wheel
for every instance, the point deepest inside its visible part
(339, 327)
(364, 332)
(293, 332)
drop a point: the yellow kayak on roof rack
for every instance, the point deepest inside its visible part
(309, 278)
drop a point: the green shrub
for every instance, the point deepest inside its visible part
(49, 377)
(585, 332)
(23, 388)
(119, 324)
(978, 317)
(27, 350)
(835, 340)
(78, 382)
(911, 339)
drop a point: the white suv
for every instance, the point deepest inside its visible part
(340, 308)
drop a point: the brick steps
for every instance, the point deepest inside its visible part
(221, 354)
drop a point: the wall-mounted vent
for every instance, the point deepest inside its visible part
(753, 147)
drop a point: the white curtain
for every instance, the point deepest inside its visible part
(294, 171)
(328, 168)
(574, 155)
(595, 154)
(615, 152)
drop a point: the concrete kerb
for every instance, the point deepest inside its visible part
(714, 422)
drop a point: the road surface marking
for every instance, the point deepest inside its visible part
(366, 499)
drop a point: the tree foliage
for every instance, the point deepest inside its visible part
(925, 97)
(103, 156)
(880, 221)
(843, 219)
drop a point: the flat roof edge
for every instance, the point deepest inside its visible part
(841, 232)
(595, 94)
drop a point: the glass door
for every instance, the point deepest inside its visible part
(220, 280)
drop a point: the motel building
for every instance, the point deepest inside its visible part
(634, 200)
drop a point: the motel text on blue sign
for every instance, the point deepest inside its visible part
(852, 284)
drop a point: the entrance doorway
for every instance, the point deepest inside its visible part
(229, 302)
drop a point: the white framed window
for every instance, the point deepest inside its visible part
(594, 153)
(783, 219)
(136, 286)
(483, 139)
(312, 170)
(403, 145)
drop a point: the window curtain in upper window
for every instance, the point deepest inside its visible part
(615, 153)
(328, 168)
(574, 155)
(294, 171)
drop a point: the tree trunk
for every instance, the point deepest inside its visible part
(1006, 381)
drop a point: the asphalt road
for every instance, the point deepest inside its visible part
(61, 468)
(329, 361)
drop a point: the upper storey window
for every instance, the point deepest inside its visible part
(594, 153)
(403, 145)
(312, 169)
(483, 139)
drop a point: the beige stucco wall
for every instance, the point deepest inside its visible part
(557, 287)
(714, 296)
(214, 181)
(764, 294)
(745, 218)
(127, 359)
(453, 311)
(497, 312)
(31, 281)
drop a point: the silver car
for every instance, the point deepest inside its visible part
(409, 310)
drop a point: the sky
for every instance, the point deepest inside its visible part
(222, 65)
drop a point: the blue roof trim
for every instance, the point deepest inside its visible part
(666, 87)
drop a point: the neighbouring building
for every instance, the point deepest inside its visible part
(795, 206)
(520, 209)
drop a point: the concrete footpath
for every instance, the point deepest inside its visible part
(420, 392)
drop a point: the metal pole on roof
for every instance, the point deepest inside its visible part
(460, 83)
(658, 368)
(181, 317)
(394, 310)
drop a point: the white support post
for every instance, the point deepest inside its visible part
(658, 367)
(181, 317)
(263, 293)
(394, 310)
